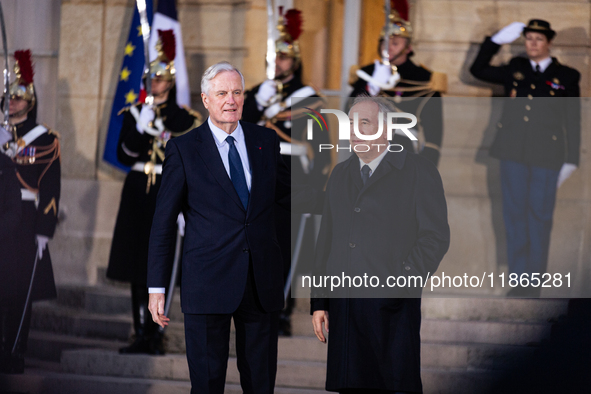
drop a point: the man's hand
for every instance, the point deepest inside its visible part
(146, 116)
(41, 245)
(381, 73)
(508, 34)
(266, 93)
(565, 172)
(318, 318)
(156, 308)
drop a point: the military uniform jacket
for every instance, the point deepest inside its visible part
(430, 117)
(38, 171)
(129, 249)
(374, 343)
(541, 123)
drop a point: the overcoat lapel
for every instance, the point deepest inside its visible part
(255, 153)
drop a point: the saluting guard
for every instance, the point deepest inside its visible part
(144, 134)
(35, 151)
(270, 104)
(415, 89)
(537, 140)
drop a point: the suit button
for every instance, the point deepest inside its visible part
(407, 268)
(244, 250)
(246, 224)
(532, 86)
(527, 107)
(357, 210)
(351, 245)
(526, 118)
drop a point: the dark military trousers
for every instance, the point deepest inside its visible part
(529, 196)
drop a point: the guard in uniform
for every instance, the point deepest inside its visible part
(35, 151)
(537, 140)
(411, 86)
(142, 141)
(270, 104)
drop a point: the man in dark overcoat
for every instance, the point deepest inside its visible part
(384, 212)
(537, 140)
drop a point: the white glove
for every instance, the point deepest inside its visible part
(146, 116)
(273, 110)
(180, 221)
(508, 34)
(267, 91)
(565, 172)
(381, 73)
(5, 136)
(41, 245)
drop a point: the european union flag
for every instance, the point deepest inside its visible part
(128, 88)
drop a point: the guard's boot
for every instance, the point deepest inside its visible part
(141, 317)
(156, 346)
(5, 342)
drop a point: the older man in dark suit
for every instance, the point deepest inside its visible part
(385, 214)
(225, 176)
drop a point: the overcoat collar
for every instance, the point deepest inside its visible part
(391, 160)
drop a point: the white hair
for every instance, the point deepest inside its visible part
(384, 104)
(213, 71)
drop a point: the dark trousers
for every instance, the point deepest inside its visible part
(207, 338)
(529, 196)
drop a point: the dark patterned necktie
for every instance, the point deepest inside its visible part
(237, 172)
(365, 173)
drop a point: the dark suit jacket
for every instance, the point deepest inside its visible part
(220, 236)
(394, 225)
(541, 124)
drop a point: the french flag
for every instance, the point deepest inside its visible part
(166, 18)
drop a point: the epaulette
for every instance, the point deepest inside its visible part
(193, 113)
(425, 67)
(353, 74)
(125, 109)
(52, 131)
(438, 82)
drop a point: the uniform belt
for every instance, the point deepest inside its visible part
(141, 167)
(28, 195)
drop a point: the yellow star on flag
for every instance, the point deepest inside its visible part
(124, 75)
(139, 30)
(130, 97)
(129, 49)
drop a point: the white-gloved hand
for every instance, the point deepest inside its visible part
(565, 172)
(41, 245)
(180, 221)
(267, 90)
(508, 34)
(5, 136)
(146, 116)
(381, 73)
(273, 110)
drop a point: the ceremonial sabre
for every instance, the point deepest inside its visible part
(28, 299)
(141, 7)
(5, 122)
(386, 43)
(271, 55)
(173, 276)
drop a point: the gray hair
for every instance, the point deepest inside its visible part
(213, 71)
(385, 104)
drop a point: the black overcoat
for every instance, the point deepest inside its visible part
(394, 225)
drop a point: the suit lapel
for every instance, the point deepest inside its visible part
(254, 149)
(208, 150)
(390, 161)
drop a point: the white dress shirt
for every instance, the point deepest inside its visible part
(219, 136)
(542, 63)
(374, 163)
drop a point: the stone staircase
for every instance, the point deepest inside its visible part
(467, 344)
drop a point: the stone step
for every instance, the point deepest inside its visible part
(48, 346)
(44, 378)
(307, 376)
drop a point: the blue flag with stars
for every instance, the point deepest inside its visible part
(128, 88)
